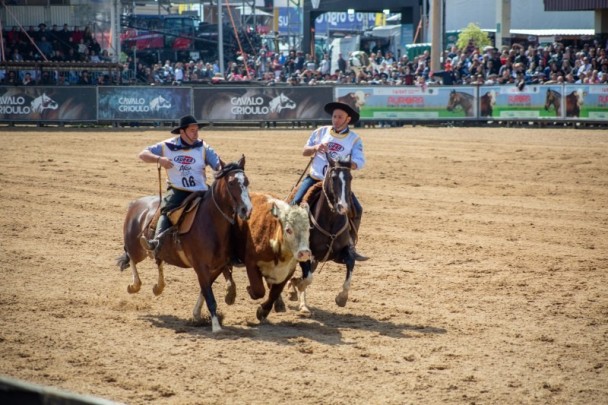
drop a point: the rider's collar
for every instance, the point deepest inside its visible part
(345, 131)
(181, 145)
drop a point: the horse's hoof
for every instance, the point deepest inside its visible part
(230, 295)
(293, 296)
(261, 314)
(132, 289)
(341, 299)
(279, 305)
(304, 312)
(158, 290)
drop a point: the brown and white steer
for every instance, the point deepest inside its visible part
(270, 244)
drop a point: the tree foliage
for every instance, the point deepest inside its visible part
(473, 35)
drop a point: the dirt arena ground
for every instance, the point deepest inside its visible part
(488, 282)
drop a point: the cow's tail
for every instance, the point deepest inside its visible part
(123, 261)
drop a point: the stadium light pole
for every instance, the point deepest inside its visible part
(220, 36)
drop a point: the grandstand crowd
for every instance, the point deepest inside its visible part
(548, 64)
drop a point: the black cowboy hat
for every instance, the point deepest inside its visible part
(336, 105)
(184, 122)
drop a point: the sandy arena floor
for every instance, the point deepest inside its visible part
(488, 282)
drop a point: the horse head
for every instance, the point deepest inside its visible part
(336, 184)
(232, 182)
(43, 102)
(453, 101)
(281, 102)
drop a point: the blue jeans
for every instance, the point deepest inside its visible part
(307, 183)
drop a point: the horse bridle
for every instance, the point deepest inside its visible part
(231, 220)
(332, 236)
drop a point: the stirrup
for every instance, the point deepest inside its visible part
(149, 245)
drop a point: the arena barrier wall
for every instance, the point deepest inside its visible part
(256, 104)
(261, 104)
(150, 103)
(48, 104)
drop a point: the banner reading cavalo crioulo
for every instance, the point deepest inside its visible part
(228, 103)
(150, 103)
(418, 103)
(41, 104)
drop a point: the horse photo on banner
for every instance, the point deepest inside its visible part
(532, 102)
(426, 103)
(586, 102)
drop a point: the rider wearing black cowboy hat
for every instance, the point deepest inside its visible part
(339, 141)
(185, 158)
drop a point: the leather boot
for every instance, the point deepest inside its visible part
(153, 245)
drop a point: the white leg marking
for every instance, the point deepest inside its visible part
(215, 325)
(196, 312)
(136, 285)
(160, 285)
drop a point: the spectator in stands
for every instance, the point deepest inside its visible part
(11, 79)
(85, 78)
(45, 47)
(28, 80)
(46, 78)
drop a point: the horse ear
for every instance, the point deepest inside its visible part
(241, 162)
(331, 162)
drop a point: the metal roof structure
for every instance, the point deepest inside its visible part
(572, 5)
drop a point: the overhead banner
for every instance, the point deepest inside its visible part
(586, 102)
(222, 104)
(47, 104)
(398, 103)
(148, 103)
(533, 102)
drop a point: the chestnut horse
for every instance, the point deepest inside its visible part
(330, 204)
(207, 247)
(574, 101)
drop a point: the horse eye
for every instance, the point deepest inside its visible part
(289, 231)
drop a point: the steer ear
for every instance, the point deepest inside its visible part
(274, 210)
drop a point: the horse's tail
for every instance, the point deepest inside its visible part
(123, 261)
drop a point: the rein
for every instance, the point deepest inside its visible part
(332, 237)
(226, 217)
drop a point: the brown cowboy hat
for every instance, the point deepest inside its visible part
(185, 122)
(336, 105)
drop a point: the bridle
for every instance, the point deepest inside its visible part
(328, 186)
(231, 220)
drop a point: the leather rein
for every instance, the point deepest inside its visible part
(332, 236)
(231, 220)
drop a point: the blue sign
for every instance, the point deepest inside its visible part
(290, 19)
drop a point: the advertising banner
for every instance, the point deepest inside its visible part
(149, 103)
(222, 104)
(48, 104)
(399, 103)
(586, 102)
(533, 102)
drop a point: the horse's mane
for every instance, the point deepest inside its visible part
(227, 169)
(313, 192)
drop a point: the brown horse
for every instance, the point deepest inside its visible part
(464, 100)
(486, 104)
(574, 101)
(554, 99)
(207, 247)
(330, 205)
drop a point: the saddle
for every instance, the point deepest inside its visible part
(181, 217)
